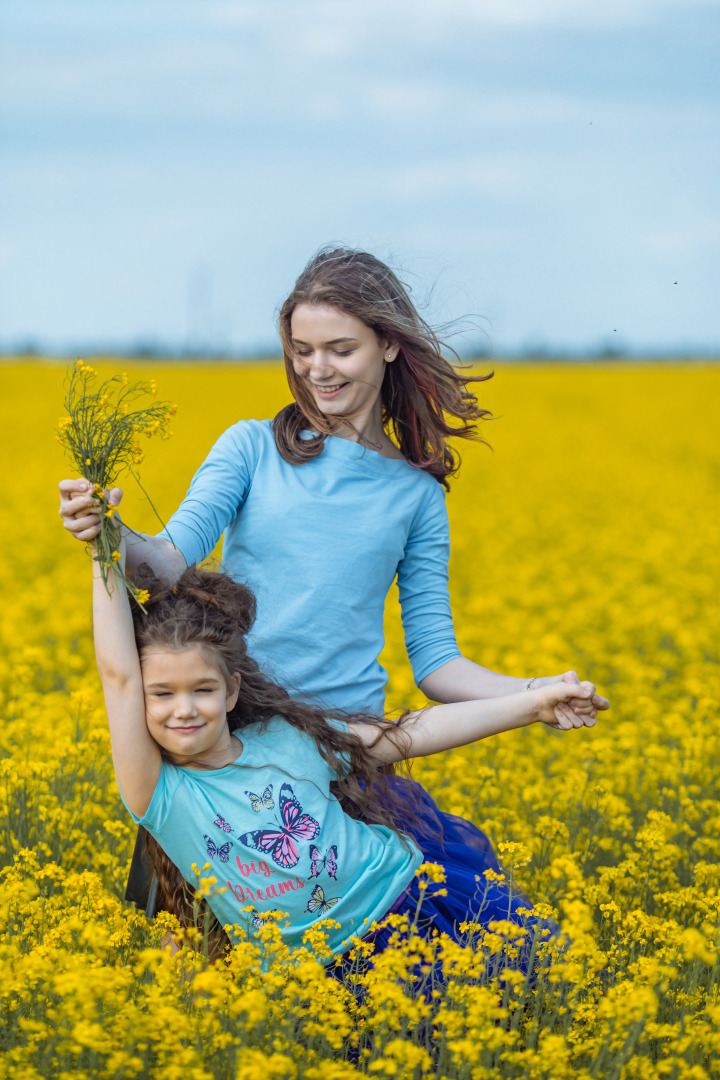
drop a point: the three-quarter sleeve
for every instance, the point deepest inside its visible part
(423, 587)
(217, 492)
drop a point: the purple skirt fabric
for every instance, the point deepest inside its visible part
(465, 853)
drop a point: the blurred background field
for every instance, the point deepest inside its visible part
(587, 538)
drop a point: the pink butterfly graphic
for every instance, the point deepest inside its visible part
(222, 824)
(318, 860)
(280, 842)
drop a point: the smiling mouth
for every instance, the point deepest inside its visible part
(329, 391)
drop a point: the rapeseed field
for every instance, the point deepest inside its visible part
(587, 538)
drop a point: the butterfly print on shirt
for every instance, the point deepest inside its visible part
(317, 901)
(216, 852)
(318, 860)
(222, 824)
(259, 801)
(279, 841)
(256, 920)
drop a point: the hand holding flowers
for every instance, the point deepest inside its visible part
(101, 434)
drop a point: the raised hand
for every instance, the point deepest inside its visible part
(78, 508)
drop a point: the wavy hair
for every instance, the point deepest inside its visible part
(214, 612)
(425, 398)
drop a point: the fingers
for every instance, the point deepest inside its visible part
(70, 488)
(569, 710)
(79, 507)
(583, 706)
(82, 521)
(79, 512)
(589, 706)
(569, 691)
(85, 533)
(572, 718)
(599, 703)
(565, 719)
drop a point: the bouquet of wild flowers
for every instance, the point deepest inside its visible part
(101, 433)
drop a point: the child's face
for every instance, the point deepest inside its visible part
(340, 358)
(187, 698)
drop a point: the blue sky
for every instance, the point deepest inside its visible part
(548, 168)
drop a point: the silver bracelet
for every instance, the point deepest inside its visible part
(529, 683)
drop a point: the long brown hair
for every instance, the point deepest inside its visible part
(211, 610)
(425, 397)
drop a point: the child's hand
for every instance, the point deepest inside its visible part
(583, 706)
(78, 508)
(556, 704)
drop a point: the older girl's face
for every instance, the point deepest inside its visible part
(340, 359)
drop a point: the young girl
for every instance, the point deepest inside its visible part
(220, 764)
(343, 492)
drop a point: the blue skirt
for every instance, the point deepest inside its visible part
(465, 853)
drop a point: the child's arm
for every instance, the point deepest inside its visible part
(136, 755)
(461, 679)
(444, 727)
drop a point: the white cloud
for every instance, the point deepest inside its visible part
(319, 60)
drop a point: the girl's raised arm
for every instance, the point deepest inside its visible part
(443, 727)
(136, 755)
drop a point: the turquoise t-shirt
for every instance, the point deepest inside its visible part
(278, 839)
(320, 545)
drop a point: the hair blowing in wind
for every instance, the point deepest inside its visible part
(426, 399)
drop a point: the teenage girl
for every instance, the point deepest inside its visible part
(343, 492)
(221, 765)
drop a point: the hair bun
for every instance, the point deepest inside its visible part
(234, 602)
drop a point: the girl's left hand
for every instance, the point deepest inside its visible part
(578, 711)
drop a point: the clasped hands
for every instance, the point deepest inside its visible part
(577, 712)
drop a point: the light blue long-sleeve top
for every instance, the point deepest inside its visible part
(320, 545)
